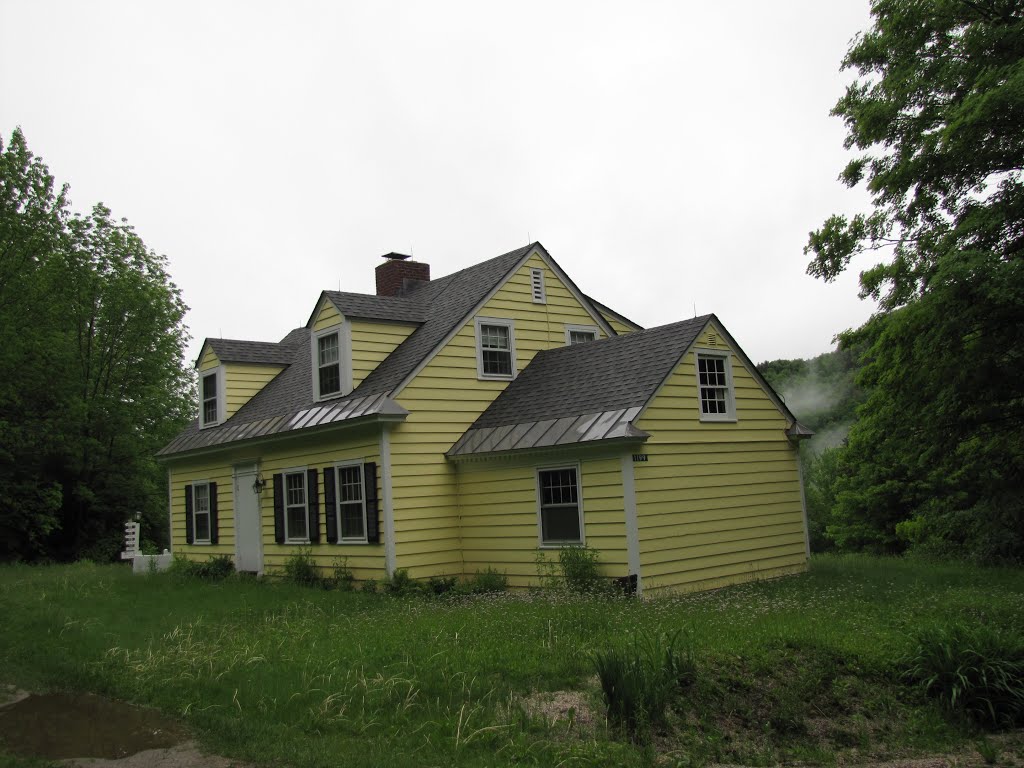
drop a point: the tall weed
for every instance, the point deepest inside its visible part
(299, 568)
(973, 671)
(640, 679)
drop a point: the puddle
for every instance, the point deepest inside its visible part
(64, 725)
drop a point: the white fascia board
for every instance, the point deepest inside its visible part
(576, 292)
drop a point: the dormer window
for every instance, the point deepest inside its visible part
(210, 400)
(332, 361)
(329, 364)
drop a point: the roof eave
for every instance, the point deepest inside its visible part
(636, 437)
(388, 416)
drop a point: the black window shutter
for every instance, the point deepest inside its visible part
(372, 507)
(279, 508)
(213, 513)
(190, 536)
(330, 506)
(313, 506)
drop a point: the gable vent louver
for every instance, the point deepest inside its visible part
(712, 340)
(537, 285)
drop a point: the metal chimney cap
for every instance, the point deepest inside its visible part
(396, 256)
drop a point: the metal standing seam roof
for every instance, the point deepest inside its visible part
(581, 393)
(442, 304)
(322, 415)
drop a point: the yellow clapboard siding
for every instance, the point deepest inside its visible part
(673, 539)
(619, 327)
(722, 576)
(689, 533)
(203, 472)
(716, 500)
(727, 512)
(243, 381)
(372, 343)
(500, 522)
(209, 360)
(327, 317)
(446, 397)
(365, 560)
(750, 559)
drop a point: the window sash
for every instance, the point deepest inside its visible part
(581, 337)
(560, 506)
(496, 349)
(351, 503)
(329, 364)
(201, 513)
(296, 511)
(713, 385)
(210, 398)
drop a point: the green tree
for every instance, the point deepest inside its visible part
(92, 380)
(936, 458)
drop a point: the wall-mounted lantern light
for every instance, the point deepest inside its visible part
(258, 485)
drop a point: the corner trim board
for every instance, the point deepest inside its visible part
(632, 526)
(390, 559)
(803, 503)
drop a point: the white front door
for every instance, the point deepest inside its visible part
(248, 533)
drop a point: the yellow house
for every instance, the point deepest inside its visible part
(471, 421)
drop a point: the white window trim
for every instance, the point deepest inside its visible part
(730, 398)
(569, 328)
(209, 514)
(534, 274)
(344, 331)
(337, 500)
(288, 539)
(510, 324)
(541, 544)
(218, 372)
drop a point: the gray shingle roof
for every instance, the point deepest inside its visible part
(397, 308)
(440, 305)
(608, 312)
(599, 376)
(581, 393)
(238, 351)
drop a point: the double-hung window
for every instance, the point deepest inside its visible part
(351, 503)
(714, 384)
(561, 518)
(328, 357)
(201, 513)
(496, 351)
(296, 510)
(209, 397)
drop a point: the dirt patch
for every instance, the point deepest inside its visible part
(571, 708)
(63, 725)
(93, 732)
(184, 755)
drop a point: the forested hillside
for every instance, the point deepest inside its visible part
(935, 459)
(822, 392)
(91, 377)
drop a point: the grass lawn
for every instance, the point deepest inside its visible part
(802, 669)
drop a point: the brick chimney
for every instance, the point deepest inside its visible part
(399, 273)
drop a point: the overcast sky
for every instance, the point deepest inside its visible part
(671, 156)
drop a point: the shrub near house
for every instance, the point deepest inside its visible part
(469, 422)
